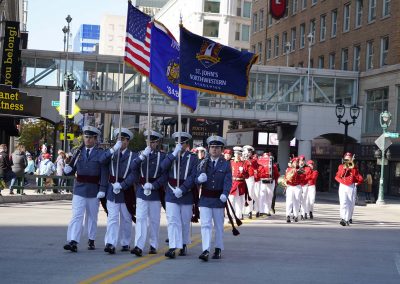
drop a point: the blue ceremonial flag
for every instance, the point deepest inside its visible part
(212, 67)
(164, 66)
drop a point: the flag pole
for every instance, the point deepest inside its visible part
(179, 121)
(148, 127)
(120, 118)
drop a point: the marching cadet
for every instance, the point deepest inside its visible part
(119, 219)
(252, 181)
(228, 154)
(149, 194)
(348, 178)
(178, 196)
(293, 190)
(304, 172)
(268, 174)
(312, 181)
(239, 187)
(215, 176)
(91, 176)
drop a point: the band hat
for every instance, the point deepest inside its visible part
(184, 136)
(228, 151)
(125, 132)
(216, 140)
(248, 147)
(348, 154)
(90, 130)
(154, 136)
(201, 148)
(237, 149)
(310, 162)
(295, 159)
(302, 157)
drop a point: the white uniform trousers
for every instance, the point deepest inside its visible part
(179, 217)
(147, 214)
(354, 202)
(250, 183)
(346, 199)
(237, 202)
(207, 216)
(304, 197)
(293, 200)
(119, 224)
(311, 198)
(257, 186)
(266, 194)
(83, 208)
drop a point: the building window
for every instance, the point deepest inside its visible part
(313, 2)
(321, 62)
(356, 58)
(294, 6)
(384, 50)
(276, 46)
(246, 9)
(284, 41)
(269, 17)
(259, 51)
(312, 30)
(210, 28)
(332, 61)
(293, 39)
(386, 8)
(345, 59)
(245, 33)
(322, 29)
(211, 6)
(237, 32)
(261, 19)
(346, 18)
(269, 49)
(255, 22)
(302, 35)
(377, 102)
(239, 8)
(286, 9)
(371, 10)
(303, 4)
(334, 23)
(370, 55)
(359, 9)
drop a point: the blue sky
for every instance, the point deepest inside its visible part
(46, 18)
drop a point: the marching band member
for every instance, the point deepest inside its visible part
(348, 178)
(119, 219)
(312, 181)
(293, 190)
(149, 195)
(268, 174)
(238, 189)
(228, 154)
(179, 198)
(304, 171)
(251, 181)
(91, 176)
(215, 176)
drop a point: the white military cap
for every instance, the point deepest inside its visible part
(237, 149)
(90, 130)
(248, 147)
(200, 148)
(154, 136)
(184, 136)
(216, 140)
(125, 132)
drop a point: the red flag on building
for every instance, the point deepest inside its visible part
(277, 8)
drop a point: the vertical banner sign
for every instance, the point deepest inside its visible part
(277, 8)
(10, 65)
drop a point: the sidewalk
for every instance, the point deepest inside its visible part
(30, 195)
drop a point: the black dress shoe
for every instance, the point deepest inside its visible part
(204, 255)
(288, 219)
(183, 251)
(305, 216)
(72, 246)
(217, 254)
(91, 245)
(302, 217)
(170, 253)
(351, 221)
(257, 214)
(110, 249)
(311, 215)
(152, 250)
(251, 215)
(125, 248)
(342, 222)
(137, 251)
(296, 219)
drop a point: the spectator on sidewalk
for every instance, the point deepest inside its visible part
(30, 168)
(19, 162)
(60, 164)
(368, 187)
(47, 168)
(6, 173)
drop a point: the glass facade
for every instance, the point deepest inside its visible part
(377, 102)
(87, 38)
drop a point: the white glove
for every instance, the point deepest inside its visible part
(202, 178)
(147, 188)
(223, 198)
(177, 192)
(145, 153)
(101, 194)
(178, 148)
(116, 147)
(241, 169)
(116, 187)
(67, 169)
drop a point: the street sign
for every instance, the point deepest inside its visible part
(70, 136)
(55, 103)
(391, 134)
(75, 111)
(383, 142)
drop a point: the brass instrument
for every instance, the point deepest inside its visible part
(348, 165)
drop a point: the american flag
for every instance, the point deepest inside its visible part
(137, 41)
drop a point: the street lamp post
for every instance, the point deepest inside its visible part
(67, 84)
(310, 38)
(385, 119)
(288, 46)
(354, 113)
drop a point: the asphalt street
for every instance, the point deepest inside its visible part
(267, 250)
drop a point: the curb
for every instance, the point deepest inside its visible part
(34, 198)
